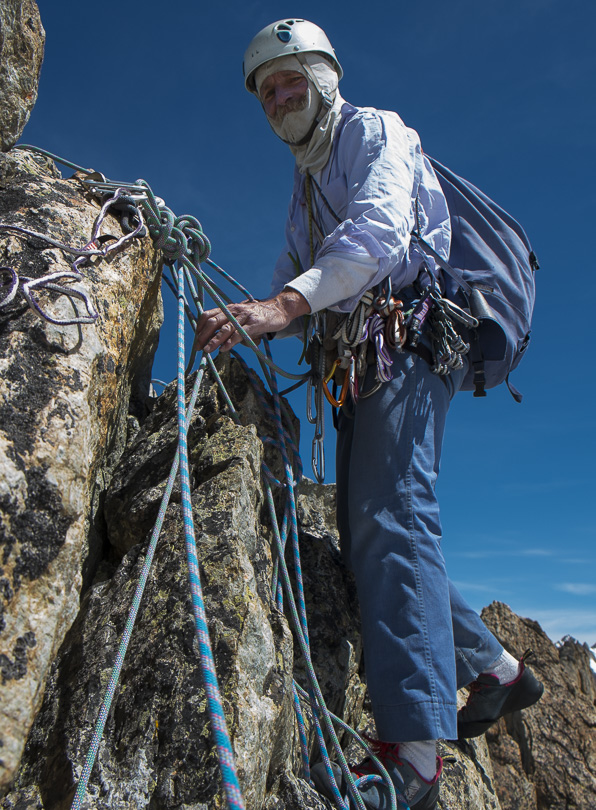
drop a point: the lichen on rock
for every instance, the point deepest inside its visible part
(21, 53)
(65, 394)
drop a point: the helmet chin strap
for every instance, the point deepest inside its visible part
(326, 99)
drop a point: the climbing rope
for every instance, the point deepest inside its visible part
(132, 615)
(214, 702)
(185, 247)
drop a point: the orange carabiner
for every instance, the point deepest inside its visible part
(337, 403)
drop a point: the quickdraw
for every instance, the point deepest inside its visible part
(315, 413)
(378, 325)
(437, 316)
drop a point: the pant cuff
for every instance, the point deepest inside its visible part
(408, 722)
(470, 663)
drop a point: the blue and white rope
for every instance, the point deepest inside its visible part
(214, 701)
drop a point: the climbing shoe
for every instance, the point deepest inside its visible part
(489, 700)
(411, 789)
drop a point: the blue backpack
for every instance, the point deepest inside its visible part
(491, 274)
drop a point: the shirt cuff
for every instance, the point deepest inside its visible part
(334, 279)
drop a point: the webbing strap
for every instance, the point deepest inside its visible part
(455, 274)
(477, 361)
(517, 395)
(422, 351)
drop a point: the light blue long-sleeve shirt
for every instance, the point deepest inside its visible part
(374, 174)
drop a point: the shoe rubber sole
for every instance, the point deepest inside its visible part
(523, 694)
(429, 802)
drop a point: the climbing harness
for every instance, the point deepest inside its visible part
(423, 322)
(185, 248)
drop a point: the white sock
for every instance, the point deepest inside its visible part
(422, 755)
(506, 668)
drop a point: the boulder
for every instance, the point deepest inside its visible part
(21, 53)
(65, 397)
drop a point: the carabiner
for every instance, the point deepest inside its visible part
(378, 303)
(337, 403)
(310, 400)
(318, 459)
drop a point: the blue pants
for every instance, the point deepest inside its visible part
(421, 640)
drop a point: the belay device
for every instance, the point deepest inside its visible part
(490, 273)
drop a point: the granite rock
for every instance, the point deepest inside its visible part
(157, 749)
(21, 53)
(65, 396)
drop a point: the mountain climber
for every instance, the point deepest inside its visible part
(361, 184)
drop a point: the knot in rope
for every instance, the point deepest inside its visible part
(178, 238)
(198, 243)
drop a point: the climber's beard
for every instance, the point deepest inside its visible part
(295, 121)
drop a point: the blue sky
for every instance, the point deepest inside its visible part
(500, 92)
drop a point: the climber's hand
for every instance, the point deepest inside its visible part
(214, 330)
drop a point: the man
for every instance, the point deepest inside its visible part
(361, 185)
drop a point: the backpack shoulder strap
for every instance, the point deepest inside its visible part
(456, 275)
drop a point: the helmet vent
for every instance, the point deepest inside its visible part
(283, 30)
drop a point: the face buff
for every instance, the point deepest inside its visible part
(295, 121)
(309, 124)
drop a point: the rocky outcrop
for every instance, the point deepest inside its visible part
(65, 394)
(21, 53)
(545, 757)
(157, 750)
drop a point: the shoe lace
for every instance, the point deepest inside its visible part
(527, 656)
(382, 750)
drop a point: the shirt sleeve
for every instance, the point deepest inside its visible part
(381, 161)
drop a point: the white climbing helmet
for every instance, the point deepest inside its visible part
(284, 37)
